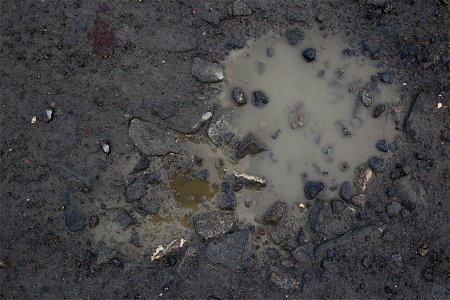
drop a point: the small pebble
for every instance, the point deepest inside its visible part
(309, 54)
(382, 145)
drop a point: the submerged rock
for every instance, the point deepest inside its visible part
(294, 37)
(250, 145)
(378, 110)
(382, 145)
(227, 201)
(376, 164)
(239, 96)
(259, 99)
(366, 97)
(219, 127)
(275, 213)
(249, 181)
(386, 77)
(153, 138)
(309, 54)
(137, 189)
(206, 71)
(312, 189)
(214, 225)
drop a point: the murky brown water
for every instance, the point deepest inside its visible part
(310, 104)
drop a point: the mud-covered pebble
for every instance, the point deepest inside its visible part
(259, 99)
(382, 145)
(378, 110)
(309, 54)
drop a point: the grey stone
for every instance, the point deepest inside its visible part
(445, 136)
(228, 250)
(304, 253)
(219, 126)
(273, 253)
(141, 165)
(393, 209)
(153, 138)
(214, 225)
(239, 96)
(316, 216)
(212, 17)
(296, 16)
(397, 259)
(418, 119)
(367, 262)
(275, 213)
(366, 97)
(85, 180)
(382, 145)
(411, 192)
(237, 42)
(206, 71)
(240, 8)
(250, 145)
(346, 191)
(312, 189)
(189, 119)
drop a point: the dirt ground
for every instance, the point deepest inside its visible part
(95, 66)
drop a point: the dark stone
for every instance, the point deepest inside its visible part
(171, 261)
(237, 42)
(446, 136)
(75, 220)
(376, 164)
(348, 52)
(212, 17)
(386, 77)
(93, 221)
(273, 253)
(346, 191)
(239, 96)
(309, 54)
(125, 220)
(276, 134)
(240, 8)
(377, 54)
(270, 52)
(238, 186)
(250, 145)
(206, 71)
(259, 99)
(337, 206)
(382, 145)
(316, 216)
(275, 213)
(378, 110)
(295, 16)
(345, 132)
(228, 250)
(227, 137)
(203, 174)
(225, 187)
(312, 189)
(141, 165)
(302, 238)
(88, 257)
(138, 188)
(227, 201)
(294, 37)
(214, 225)
(367, 262)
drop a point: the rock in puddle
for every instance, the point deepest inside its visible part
(362, 178)
(294, 37)
(275, 213)
(250, 145)
(312, 189)
(378, 110)
(259, 99)
(214, 225)
(309, 54)
(219, 126)
(239, 97)
(382, 145)
(248, 181)
(153, 138)
(227, 201)
(206, 71)
(228, 250)
(366, 97)
(138, 188)
(386, 77)
(75, 219)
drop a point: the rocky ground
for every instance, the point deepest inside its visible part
(80, 78)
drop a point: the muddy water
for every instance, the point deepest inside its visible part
(318, 99)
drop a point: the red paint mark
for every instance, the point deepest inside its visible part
(101, 37)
